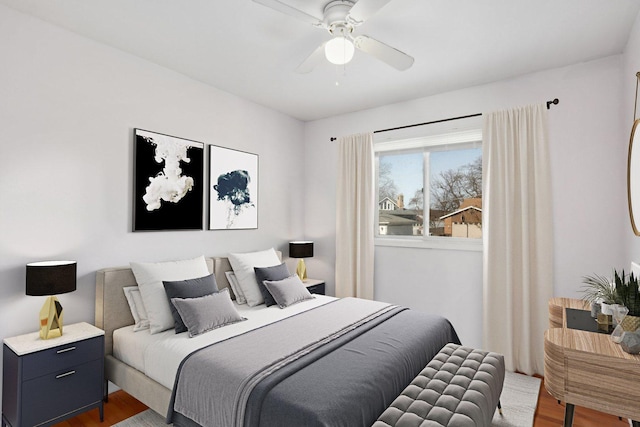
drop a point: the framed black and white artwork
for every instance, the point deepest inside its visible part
(168, 182)
(233, 189)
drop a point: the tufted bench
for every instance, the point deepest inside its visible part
(460, 387)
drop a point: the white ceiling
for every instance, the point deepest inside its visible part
(252, 51)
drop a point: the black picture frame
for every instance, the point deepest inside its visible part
(233, 189)
(168, 182)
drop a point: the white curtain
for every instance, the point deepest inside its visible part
(355, 216)
(518, 236)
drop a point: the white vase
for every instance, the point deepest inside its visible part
(606, 308)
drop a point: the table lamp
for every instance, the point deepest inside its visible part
(51, 278)
(300, 249)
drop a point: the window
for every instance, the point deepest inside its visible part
(449, 168)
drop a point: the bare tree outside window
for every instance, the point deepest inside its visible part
(456, 195)
(386, 186)
(451, 187)
(417, 201)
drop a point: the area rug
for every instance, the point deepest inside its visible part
(148, 418)
(519, 399)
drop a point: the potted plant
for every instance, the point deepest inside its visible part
(628, 294)
(601, 290)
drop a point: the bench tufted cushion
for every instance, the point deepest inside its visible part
(460, 387)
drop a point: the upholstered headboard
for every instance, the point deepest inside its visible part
(112, 309)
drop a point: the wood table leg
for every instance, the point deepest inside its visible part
(568, 415)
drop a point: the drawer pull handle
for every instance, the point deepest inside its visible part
(64, 350)
(66, 374)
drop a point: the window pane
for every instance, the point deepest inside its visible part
(400, 195)
(455, 181)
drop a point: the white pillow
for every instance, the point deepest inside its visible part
(243, 265)
(150, 276)
(132, 293)
(233, 282)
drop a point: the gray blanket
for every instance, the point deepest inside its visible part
(348, 381)
(214, 383)
(356, 378)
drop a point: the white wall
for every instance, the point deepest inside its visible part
(68, 107)
(628, 78)
(588, 150)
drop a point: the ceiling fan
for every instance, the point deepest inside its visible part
(340, 18)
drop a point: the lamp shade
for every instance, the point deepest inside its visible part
(51, 277)
(301, 249)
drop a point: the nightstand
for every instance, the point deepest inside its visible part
(315, 286)
(47, 381)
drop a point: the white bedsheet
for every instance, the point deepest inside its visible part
(159, 356)
(129, 346)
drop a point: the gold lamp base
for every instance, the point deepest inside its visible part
(51, 319)
(301, 271)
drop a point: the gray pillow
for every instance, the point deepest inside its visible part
(274, 273)
(192, 288)
(288, 291)
(208, 312)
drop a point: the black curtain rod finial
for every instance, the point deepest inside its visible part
(333, 138)
(554, 102)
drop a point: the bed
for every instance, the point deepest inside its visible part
(333, 378)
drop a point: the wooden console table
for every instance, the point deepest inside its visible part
(588, 369)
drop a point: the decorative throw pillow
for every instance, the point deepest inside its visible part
(233, 282)
(288, 291)
(190, 288)
(274, 273)
(132, 293)
(243, 265)
(150, 276)
(208, 312)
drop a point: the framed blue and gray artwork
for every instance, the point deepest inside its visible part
(168, 182)
(233, 189)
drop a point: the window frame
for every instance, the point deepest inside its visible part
(426, 144)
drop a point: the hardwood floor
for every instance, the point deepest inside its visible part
(119, 407)
(548, 413)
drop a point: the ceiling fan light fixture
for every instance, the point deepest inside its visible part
(339, 50)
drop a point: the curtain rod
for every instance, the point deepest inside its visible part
(555, 101)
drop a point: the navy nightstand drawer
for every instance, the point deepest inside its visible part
(62, 357)
(49, 396)
(317, 289)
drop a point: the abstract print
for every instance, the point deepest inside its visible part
(233, 184)
(168, 187)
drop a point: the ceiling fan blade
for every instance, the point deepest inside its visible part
(364, 9)
(291, 11)
(316, 57)
(385, 53)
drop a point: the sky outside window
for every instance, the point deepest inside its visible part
(407, 168)
(406, 172)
